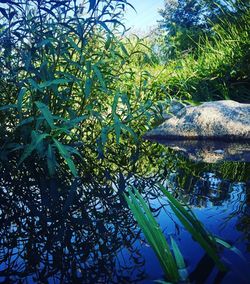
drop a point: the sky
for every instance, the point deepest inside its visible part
(146, 15)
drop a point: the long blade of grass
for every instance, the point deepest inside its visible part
(183, 273)
(195, 229)
(153, 234)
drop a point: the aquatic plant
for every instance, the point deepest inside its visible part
(173, 263)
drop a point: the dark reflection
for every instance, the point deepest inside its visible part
(71, 234)
(77, 231)
(207, 150)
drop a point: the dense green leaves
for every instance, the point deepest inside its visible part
(65, 74)
(74, 79)
(37, 138)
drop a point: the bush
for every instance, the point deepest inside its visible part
(67, 80)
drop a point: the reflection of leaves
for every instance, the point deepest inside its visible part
(67, 225)
(92, 4)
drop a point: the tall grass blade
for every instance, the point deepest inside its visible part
(179, 261)
(153, 234)
(195, 228)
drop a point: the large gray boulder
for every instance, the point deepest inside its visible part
(219, 120)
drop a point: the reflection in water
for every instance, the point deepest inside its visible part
(72, 235)
(82, 231)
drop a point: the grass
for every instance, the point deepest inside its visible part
(170, 263)
(218, 70)
(170, 257)
(71, 84)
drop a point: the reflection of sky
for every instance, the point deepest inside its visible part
(146, 15)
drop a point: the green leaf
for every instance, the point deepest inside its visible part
(26, 121)
(182, 268)
(87, 89)
(195, 228)
(178, 256)
(74, 45)
(123, 48)
(230, 247)
(53, 82)
(36, 139)
(130, 130)
(99, 76)
(7, 107)
(115, 103)
(20, 100)
(73, 122)
(46, 113)
(117, 127)
(104, 134)
(34, 84)
(51, 160)
(153, 234)
(66, 156)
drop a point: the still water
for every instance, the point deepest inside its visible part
(55, 230)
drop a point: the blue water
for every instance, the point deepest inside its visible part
(56, 231)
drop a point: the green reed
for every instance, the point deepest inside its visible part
(172, 262)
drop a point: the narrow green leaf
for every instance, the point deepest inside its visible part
(74, 45)
(66, 156)
(20, 100)
(191, 223)
(230, 247)
(53, 82)
(7, 107)
(115, 103)
(99, 76)
(182, 268)
(178, 256)
(37, 138)
(46, 113)
(88, 86)
(117, 128)
(153, 234)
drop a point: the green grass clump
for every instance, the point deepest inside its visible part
(172, 262)
(219, 69)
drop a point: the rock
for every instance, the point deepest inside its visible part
(219, 120)
(174, 107)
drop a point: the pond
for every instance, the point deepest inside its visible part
(55, 230)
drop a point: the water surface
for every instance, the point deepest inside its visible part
(59, 230)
